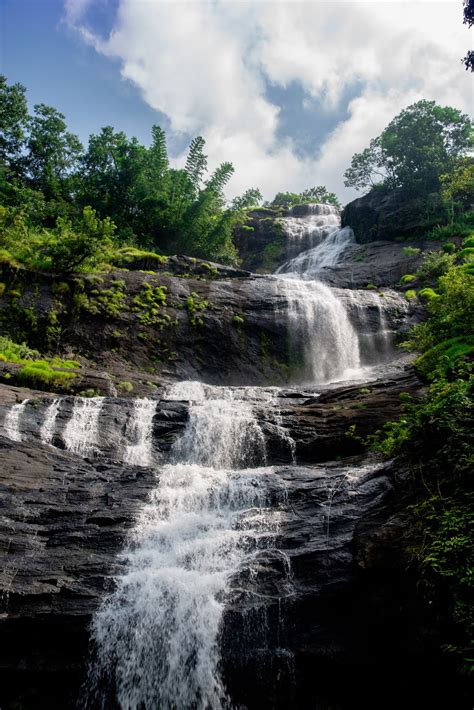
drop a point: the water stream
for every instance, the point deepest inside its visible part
(216, 504)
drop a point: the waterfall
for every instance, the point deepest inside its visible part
(308, 226)
(49, 422)
(81, 434)
(140, 430)
(12, 421)
(320, 328)
(308, 264)
(157, 636)
(323, 341)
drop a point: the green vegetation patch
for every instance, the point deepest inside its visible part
(195, 307)
(39, 373)
(137, 259)
(443, 358)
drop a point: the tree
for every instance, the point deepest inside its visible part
(321, 195)
(457, 187)
(251, 198)
(418, 146)
(14, 120)
(52, 153)
(318, 194)
(469, 21)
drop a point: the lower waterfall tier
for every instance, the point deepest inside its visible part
(299, 565)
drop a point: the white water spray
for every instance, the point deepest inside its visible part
(12, 423)
(49, 422)
(157, 636)
(81, 434)
(320, 327)
(140, 431)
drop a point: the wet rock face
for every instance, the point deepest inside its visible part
(387, 214)
(232, 330)
(65, 520)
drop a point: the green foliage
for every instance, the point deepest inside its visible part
(410, 294)
(319, 194)
(411, 251)
(449, 247)
(435, 435)
(148, 305)
(137, 259)
(435, 264)
(37, 371)
(40, 374)
(424, 142)
(51, 180)
(407, 278)
(125, 386)
(195, 306)
(60, 250)
(426, 294)
(443, 360)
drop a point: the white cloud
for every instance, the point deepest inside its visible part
(206, 65)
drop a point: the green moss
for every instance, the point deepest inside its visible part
(149, 304)
(410, 294)
(237, 320)
(427, 294)
(411, 251)
(125, 386)
(407, 278)
(134, 259)
(40, 374)
(195, 307)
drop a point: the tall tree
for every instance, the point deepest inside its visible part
(52, 153)
(418, 146)
(14, 120)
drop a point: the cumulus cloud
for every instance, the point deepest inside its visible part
(207, 65)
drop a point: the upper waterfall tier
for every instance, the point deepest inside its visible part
(314, 240)
(307, 226)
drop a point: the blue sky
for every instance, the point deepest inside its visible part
(288, 91)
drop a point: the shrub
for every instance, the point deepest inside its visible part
(435, 264)
(449, 247)
(467, 254)
(443, 359)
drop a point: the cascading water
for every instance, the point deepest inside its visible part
(322, 337)
(308, 264)
(81, 433)
(308, 226)
(140, 431)
(12, 423)
(49, 423)
(157, 636)
(320, 327)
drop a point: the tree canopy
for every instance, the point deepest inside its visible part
(418, 146)
(57, 184)
(318, 194)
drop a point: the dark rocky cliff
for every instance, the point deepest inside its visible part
(386, 214)
(348, 610)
